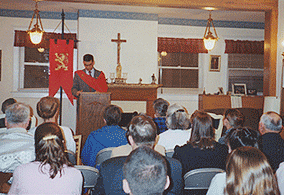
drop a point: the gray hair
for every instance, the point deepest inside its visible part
(177, 117)
(18, 113)
(272, 121)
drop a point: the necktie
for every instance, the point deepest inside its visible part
(90, 73)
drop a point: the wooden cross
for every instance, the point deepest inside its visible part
(118, 41)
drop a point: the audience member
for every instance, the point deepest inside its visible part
(160, 106)
(145, 137)
(247, 172)
(236, 138)
(16, 145)
(51, 172)
(202, 151)
(110, 135)
(177, 122)
(48, 110)
(5, 105)
(145, 172)
(271, 143)
(111, 170)
(233, 118)
(280, 177)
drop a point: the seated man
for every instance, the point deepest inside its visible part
(110, 135)
(144, 132)
(145, 172)
(271, 143)
(16, 145)
(160, 106)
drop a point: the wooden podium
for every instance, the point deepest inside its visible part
(90, 112)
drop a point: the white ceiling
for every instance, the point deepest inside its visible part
(53, 6)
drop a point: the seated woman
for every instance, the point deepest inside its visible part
(201, 151)
(160, 106)
(177, 122)
(247, 172)
(233, 118)
(48, 110)
(236, 138)
(51, 172)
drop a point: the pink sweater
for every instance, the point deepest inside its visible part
(28, 179)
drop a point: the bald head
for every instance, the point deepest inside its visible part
(270, 122)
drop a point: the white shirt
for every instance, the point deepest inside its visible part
(16, 148)
(218, 184)
(280, 177)
(170, 138)
(70, 143)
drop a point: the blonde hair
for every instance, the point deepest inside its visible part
(249, 173)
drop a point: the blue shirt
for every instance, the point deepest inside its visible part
(107, 136)
(161, 124)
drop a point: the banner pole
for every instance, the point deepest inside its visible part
(62, 37)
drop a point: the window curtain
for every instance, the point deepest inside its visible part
(22, 39)
(175, 45)
(244, 47)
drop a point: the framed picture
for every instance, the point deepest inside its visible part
(239, 89)
(215, 63)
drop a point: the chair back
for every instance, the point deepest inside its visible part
(198, 179)
(78, 141)
(90, 176)
(103, 155)
(170, 152)
(71, 157)
(219, 128)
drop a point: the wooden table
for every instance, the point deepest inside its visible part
(135, 92)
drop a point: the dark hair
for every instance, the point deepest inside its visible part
(203, 133)
(161, 106)
(47, 107)
(243, 136)
(49, 148)
(88, 57)
(248, 172)
(145, 171)
(7, 103)
(235, 117)
(112, 115)
(143, 130)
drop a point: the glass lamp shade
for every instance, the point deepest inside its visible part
(36, 36)
(209, 43)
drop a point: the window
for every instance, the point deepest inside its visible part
(247, 69)
(179, 70)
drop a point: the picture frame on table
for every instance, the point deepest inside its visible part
(215, 63)
(239, 89)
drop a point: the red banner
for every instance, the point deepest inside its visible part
(61, 67)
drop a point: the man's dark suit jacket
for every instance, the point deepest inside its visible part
(272, 145)
(111, 176)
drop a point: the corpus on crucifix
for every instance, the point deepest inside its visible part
(118, 67)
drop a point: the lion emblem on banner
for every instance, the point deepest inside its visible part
(62, 60)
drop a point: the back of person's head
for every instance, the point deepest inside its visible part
(18, 113)
(145, 171)
(47, 107)
(203, 132)
(49, 148)
(143, 130)
(272, 121)
(88, 57)
(161, 106)
(177, 117)
(248, 172)
(234, 117)
(112, 115)
(7, 103)
(243, 136)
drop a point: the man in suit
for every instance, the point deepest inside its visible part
(272, 145)
(145, 172)
(88, 79)
(143, 132)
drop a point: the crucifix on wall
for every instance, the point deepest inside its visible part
(118, 67)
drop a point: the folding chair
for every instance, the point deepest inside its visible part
(170, 152)
(103, 155)
(200, 179)
(90, 176)
(78, 141)
(218, 130)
